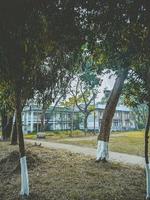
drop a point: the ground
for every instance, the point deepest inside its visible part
(57, 174)
(122, 142)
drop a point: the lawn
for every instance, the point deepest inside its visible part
(125, 142)
(56, 135)
(57, 174)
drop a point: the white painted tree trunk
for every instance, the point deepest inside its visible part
(102, 151)
(148, 181)
(24, 177)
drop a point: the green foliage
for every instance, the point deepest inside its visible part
(119, 33)
(70, 102)
(91, 108)
(24, 46)
(137, 94)
(6, 100)
(64, 134)
(137, 89)
(115, 35)
(29, 35)
(88, 73)
(140, 114)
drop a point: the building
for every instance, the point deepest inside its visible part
(122, 121)
(60, 118)
(54, 119)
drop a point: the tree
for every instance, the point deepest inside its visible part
(83, 99)
(84, 86)
(55, 85)
(30, 32)
(71, 103)
(118, 38)
(137, 92)
(106, 96)
(103, 137)
(83, 92)
(140, 113)
(20, 71)
(14, 136)
(6, 111)
(33, 30)
(8, 114)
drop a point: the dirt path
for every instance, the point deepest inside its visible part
(113, 156)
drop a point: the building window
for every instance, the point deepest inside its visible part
(116, 123)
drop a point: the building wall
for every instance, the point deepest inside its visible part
(122, 120)
(57, 120)
(61, 119)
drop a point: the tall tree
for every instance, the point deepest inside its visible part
(119, 36)
(30, 32)
(56, 84)
(14, 136)
(6, 111)
(140, 113)
(83, 98)
(71, 103)
(84, 87)
(137, 92)
(106, 123)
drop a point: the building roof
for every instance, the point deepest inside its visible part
(34, 107)
(118, 108)
(62, 108)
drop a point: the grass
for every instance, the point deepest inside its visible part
(131, 142)
(50, 135)
(125, 142)
(65, 134)
(58, 174)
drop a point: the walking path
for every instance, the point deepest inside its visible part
(113, 156)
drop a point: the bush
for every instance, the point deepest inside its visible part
(30, 136)
(66, 133)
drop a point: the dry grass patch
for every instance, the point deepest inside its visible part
(62, 175)
(126, 142)
(58, 135)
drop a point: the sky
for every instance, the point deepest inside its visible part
(108, 82)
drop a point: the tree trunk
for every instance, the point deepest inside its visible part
(4, 124)
(9, 127)
(14, 133)
(94, 117)
(23, 162)
(43, 120)
(103, 137)
(94, 123)
(147, 166)
(85, 124)
(72, 121)
(19, 132)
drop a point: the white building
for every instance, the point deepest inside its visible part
(61, 119)
(123, 118)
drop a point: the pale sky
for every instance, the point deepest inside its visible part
(108, 82)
